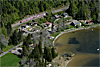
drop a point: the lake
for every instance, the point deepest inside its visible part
(83, 43)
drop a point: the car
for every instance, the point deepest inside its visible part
(20, 21)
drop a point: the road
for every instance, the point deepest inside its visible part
(11, 49)
(61, 9)
(53, 11)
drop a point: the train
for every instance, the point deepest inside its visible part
(32, 17)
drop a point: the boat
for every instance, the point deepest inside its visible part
(97, 49)
(92, 29)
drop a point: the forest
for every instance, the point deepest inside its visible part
(12, 11)
(16, 10)
(84, 9)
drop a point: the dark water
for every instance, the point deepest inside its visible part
(83, 41)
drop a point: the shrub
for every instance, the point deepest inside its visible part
(83, 24)
(71, 26)
(67, 58)
(77, 26)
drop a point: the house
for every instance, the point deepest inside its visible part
(49, 65)
(51, 37)
(18, 51)
(83, 21)
(75, 22)
(56, 16)
(23, 26)
(48, 23)
(33, 24)
(89, 22)
(32, 45)
(65, 15)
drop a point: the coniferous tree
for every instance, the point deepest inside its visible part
(94, 18)
(26, 43)
(45, 63)
(49, 57)
(58, 26)
(73, 10)
(25, 51)
(9, 28)
(10, 41)
(14, 38)
(53, 52)
(28, 38)
(40, 47)
(20, 36)
(4, 31)
(36, 53)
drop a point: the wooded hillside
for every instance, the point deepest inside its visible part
(18, 9)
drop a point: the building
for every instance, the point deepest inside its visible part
(48, 23)
(51, 37)
(23, 26)
(75, 22)
(89, 22)
(18, 51)
(33, 24)
(56, 16)
(32, 45)
(65, 14)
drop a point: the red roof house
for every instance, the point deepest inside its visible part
(47, 23)
(89, 22)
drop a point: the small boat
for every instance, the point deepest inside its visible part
(92, 29)
(97, 49)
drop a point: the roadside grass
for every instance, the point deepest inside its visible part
(9, 60)
(55, 34)
(8, 47)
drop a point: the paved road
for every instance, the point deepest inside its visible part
(11, 49)
(53, 11)
(61, 9)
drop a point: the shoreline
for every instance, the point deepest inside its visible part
(68, 62)
(72, 30)
(75, 29)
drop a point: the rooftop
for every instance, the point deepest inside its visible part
(48, 23)
(90, 20)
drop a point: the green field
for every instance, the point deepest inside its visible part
(9, 60)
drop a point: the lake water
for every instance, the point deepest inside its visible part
(83, 43)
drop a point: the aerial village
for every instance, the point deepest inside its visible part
(29, 31)
(35, 27)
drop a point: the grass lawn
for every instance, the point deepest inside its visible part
(8, 47)
(9, 60)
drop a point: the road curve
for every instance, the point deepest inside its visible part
(11, 49)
